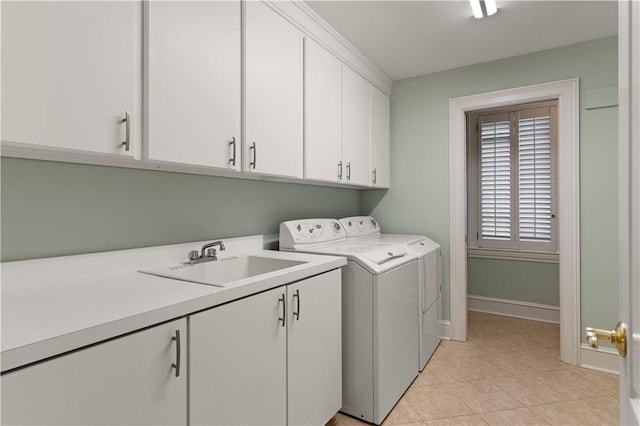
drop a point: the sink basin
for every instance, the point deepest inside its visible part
(224, 272)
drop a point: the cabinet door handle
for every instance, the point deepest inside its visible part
(296, 313)
(375, 176)
(284, 310)
(176, 338)
(348, 171)
(252, 163)
(127, 130)
(232, 144)
(339, 170)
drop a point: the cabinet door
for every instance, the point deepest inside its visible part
(70, 70)
(194, 82)
(322, 114)
(273, 92)
(315, 349)
(355, 127)
(380, 142)
(238, 362)
(126, 381)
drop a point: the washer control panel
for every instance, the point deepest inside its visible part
(310, 231)
(360, 226)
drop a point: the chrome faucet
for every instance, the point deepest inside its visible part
(207, 253)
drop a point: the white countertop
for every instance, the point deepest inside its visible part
(45, 319)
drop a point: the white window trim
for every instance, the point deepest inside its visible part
(568, 203)
(506, 254)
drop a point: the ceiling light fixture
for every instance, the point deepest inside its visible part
(483, 8)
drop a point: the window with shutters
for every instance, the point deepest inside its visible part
(512, 178)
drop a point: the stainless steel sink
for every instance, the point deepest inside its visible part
(224, 272)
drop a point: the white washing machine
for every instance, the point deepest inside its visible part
(367, 229)
(379, 308)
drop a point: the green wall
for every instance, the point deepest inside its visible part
(534, 282)
(418, 201)
(55, 209)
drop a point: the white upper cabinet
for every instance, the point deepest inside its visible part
(70, 70)
(273, 93)
(227, 87)
(194, 83)
(380, 139)
(322, 114)
(355, 128)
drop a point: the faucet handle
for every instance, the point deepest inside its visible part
(194, 255)
(211, 252)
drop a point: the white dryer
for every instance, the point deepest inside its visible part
(379, 308)
(366, 229)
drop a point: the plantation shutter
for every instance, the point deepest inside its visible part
(514, 193)
(495, 177)
(534, 171)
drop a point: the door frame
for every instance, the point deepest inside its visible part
(566, 91)
(628, 195)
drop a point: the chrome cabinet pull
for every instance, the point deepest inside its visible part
(296, 313)
(127, 131)
(233, 155)
(339, 170)
(348, 171)
(375, 176)
(284, 310)
(252, 163)
(176, 338)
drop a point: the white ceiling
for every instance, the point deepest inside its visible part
(409, 38)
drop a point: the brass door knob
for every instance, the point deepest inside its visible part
(616, 337)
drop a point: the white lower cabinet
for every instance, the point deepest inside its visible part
(314, 349)
(128, 380)
(238, 362)
(270, 359)
(273, 358)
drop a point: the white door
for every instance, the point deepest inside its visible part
(322, 114)
(70, 70)
(314, 350)
(238, 362)
(193, 77)
(273, 93)
(629, 155)
(130, 380)
(355, 127)
(380, 139)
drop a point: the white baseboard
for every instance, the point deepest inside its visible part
(445, 329)
(601, 359)
(514, 308)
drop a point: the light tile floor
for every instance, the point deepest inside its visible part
(507, 373)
